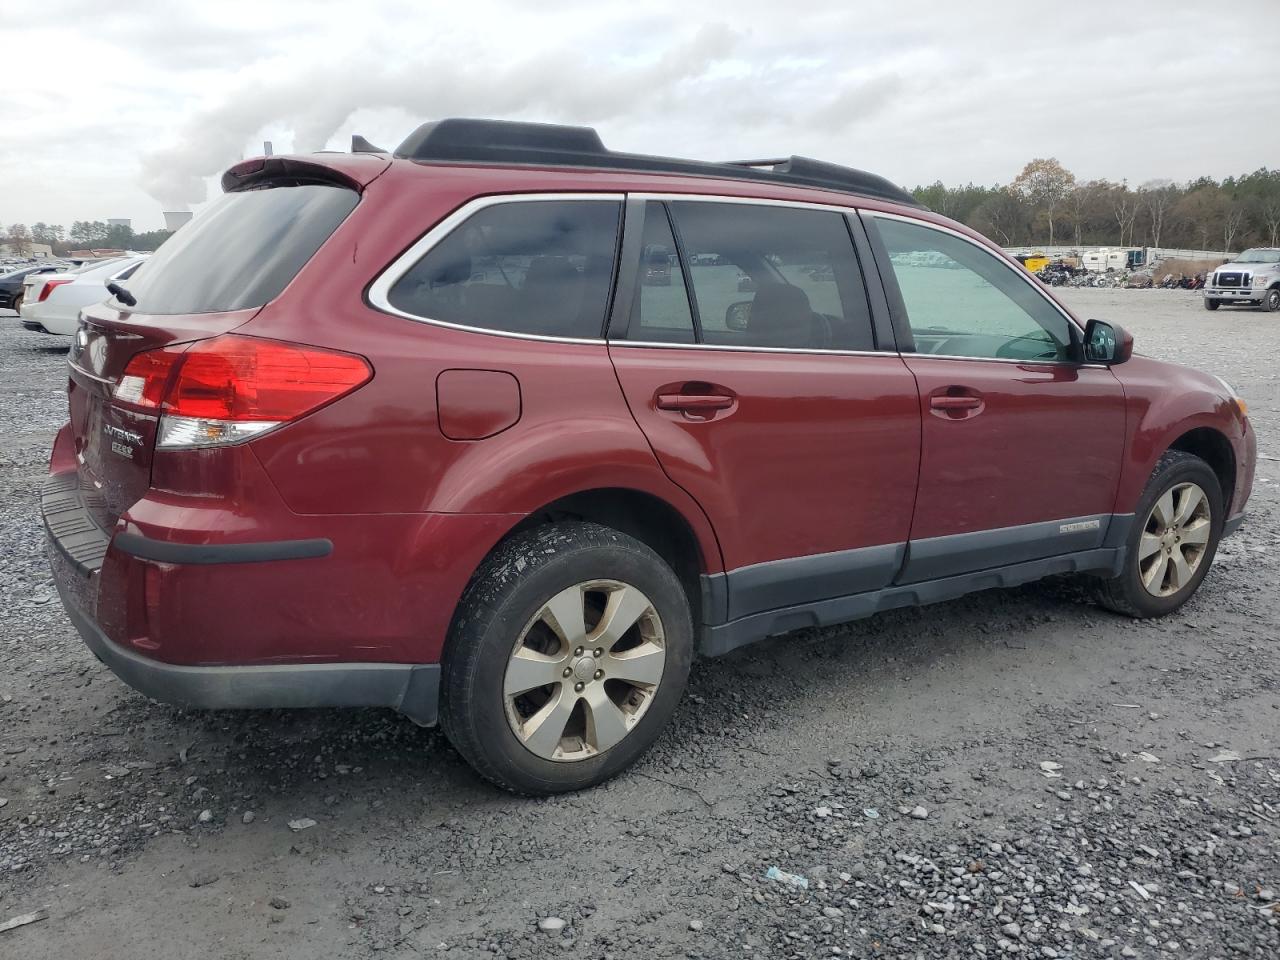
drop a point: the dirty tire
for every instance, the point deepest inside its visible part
(1211, 304)
(514, 583)
(1271, 303)
(1126, 594)
(16, 305)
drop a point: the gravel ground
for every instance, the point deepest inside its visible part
(1016, 773)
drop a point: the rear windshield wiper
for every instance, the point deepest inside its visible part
(121, 294)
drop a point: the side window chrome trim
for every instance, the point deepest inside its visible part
(1024, 363)
(379, 291)
(850, 353)
(1022, 273)
(734, 348)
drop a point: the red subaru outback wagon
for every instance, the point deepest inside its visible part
(502, 428)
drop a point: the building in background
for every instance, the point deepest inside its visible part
(29, 248)
(97, 253)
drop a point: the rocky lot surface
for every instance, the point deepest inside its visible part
(1014, 774)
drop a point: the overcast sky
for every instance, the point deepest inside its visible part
(122, 109)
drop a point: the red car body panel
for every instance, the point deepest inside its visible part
(1046, 444)
(820, 454)
(1165, 401)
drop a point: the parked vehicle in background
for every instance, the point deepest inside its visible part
(1100, 261)
(657, 266)
(52, 302)
(1252, 278)
(11, 287)
(317, 458)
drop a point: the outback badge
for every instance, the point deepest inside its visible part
(122, 441)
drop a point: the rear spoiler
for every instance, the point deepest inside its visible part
(344, 170)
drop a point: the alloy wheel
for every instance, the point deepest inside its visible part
(1174, 539)
(584, 670)
(1272, 303)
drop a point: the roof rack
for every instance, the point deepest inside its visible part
(460, 140)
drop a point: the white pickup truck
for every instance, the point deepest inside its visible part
(1252, 278)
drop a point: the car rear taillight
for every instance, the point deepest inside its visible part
(48, 289)
(232, 388)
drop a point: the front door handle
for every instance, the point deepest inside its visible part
(955, 403)
(694, 402)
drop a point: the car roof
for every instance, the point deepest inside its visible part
(510, 143)
(512, 151)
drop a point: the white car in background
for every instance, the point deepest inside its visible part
(51, 302)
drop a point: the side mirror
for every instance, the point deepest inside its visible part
(1107, 343)
(738, 316)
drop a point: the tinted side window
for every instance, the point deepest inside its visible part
(241, 251)
(538, 267)
(768, 276)
(660, 312)
(965, 302)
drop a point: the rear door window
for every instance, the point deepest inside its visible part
(773, 276)
(538, 267)
(242, 251)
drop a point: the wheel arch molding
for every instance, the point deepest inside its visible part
(659, 515)
(1201, 435)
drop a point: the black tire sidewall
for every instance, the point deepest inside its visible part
(1185, 468)
(476, 662)
(1271, 302)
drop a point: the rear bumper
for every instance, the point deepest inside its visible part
(40, 317)
(412, 689)
(77, 551)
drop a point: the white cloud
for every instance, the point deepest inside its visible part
(107, 110)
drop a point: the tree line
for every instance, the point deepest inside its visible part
(83, 235)
(1045, 204)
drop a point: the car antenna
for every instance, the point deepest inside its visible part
(360, 145)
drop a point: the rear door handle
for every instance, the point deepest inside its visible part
(955, 403)
(694, 402)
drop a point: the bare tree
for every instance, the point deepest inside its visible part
(1159, 196)
(1201, 211)
(1271, 217)
(999, 215)
(1124, 207)
(1077, 205)
(1231, 224)
(1045, 184)
(20, 240)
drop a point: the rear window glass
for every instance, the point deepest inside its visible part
(103, 266)
(540, 267)
(90, 265)
(241, 251)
